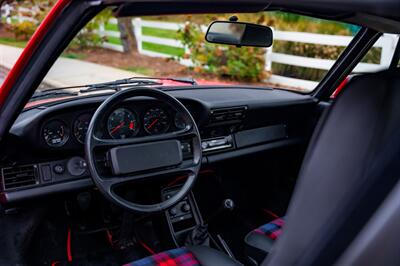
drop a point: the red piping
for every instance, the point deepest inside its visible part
(176, 180)
(271, 213)
(147, 247)
(30, 48)
(109, 237)
(69, 253)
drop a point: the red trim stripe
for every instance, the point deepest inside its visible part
(340, 88)
(151, 251)
(30, 48)
(69, 253)
(109, 237)
(271, 213)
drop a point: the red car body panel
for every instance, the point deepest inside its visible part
(30, 48)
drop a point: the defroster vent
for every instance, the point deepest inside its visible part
(230, 114)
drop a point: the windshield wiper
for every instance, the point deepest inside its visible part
(51, 94)
(117, 85)
(188, 80)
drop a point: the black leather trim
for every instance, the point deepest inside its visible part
(211, 257)
(257, 246)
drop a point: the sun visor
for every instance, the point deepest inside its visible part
(151, 7)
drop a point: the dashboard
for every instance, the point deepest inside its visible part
(130, 120)
(44, 151)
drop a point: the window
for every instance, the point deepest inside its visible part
(110, 48)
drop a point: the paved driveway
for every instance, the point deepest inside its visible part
(3, 73)
(68, 72)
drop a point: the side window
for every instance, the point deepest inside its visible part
(379, 56)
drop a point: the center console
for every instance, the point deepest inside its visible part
(183, 217)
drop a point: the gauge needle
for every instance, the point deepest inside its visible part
(152, 124)
(117, 127)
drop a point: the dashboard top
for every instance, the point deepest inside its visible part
(71, 117)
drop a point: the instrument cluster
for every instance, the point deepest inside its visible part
(123, 122)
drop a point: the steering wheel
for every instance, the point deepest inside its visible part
(139, 158)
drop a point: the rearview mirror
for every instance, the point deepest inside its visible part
(239, 34)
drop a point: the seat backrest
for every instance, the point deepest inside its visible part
(352, 163)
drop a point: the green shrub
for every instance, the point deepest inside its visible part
(87, 37)
(23, 30)
(241, 64)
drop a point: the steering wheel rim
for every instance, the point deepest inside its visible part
(107, 184)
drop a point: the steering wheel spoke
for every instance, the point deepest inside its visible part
(112, 182)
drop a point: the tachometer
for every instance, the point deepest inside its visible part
(81, 125)
(122, 124)
(55, 133)
(156, 121)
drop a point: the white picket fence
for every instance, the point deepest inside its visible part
(20, 16)
(387, 43)
(140, 37)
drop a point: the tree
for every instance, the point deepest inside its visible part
(128, 37)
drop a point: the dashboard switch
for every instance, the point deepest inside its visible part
(173, 212)
(59, 169)
(185, 207)
(46, 173)
(76, 166)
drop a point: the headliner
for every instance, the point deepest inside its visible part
(381, 15)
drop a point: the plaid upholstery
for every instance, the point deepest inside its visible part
(175, 257)
(273, 229)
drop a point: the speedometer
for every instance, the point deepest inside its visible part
(156, 121)
(122, 124)
(55, 133)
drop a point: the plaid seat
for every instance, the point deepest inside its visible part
(175, 257)
(273, 229)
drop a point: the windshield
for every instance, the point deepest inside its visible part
(169, 48)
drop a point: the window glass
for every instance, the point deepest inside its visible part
(110, 48)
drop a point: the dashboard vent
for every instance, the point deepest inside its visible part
(228, 114)
(19, 176)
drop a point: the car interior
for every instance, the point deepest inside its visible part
(205, 175)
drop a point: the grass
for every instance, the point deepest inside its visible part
(164, 49)
(114, 40)
(161, 33)
(111, 27)
(13, 42)
(140, 70)
(154, 47)
(74, 56)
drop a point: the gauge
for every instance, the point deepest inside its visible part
(180, 121)
(156, 121)
(55, 133)
(81, 126)
(122, 124)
